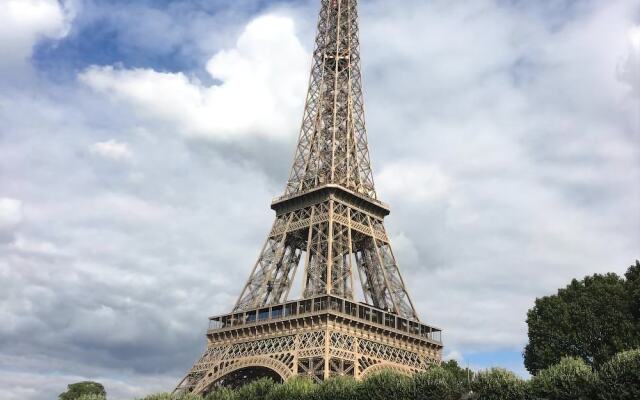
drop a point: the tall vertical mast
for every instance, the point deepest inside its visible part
(332, 146)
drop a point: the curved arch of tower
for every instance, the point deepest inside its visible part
(329, 225)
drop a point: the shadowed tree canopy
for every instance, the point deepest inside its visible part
(443, 382)
(76, 390)
(462, 376)
(592, 319)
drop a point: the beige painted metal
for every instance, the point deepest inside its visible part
(330, 220)
(320, 337)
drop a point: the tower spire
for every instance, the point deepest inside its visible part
(332, 146)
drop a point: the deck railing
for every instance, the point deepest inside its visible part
(322, 304)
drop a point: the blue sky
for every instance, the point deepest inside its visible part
(142, 141)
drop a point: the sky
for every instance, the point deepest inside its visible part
(141, 143)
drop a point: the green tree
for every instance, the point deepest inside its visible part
(462, 376)
(187, 396)
(91, 397)
(437, 383)
(498, 384)
(75, 390)
(256, 390)
(570, 379)
(633, 288)
(222, 393)
(619, 378)
(592, 319)
(169, 396)
(338, 388)
(298, 388)
(385, 385)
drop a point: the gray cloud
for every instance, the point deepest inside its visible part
(520, 134)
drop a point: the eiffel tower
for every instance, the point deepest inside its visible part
(329, 222)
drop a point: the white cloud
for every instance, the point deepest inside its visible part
(263, 80)
(412, 181)
(10, 213)
(24, 22)
(453, 355)
(112, 149)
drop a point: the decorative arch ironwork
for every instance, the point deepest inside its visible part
(224, 368)
(388, 367)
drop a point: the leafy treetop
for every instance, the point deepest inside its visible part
(592, 319)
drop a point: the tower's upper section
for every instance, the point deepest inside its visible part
(332, 147)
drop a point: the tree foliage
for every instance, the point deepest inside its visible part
(448, 378)
(498, 384)
(298, 388)
(91, 397)
(437, 383)
(222, 393)
(633, 288)
(619, 378)
(570, 379)
(462, 377)
(338, 388)
(85, 388)
(256, 390)
(385, 385)
(593, 319)
(169, 396)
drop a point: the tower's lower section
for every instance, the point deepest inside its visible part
(321, 337)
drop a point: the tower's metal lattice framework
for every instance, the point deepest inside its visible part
(330, 223)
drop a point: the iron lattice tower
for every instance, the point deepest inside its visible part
(330, 221)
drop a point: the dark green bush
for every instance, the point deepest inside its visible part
(462, 376)
(75, 390)
(299, 388)
(169, 396)
(619, 378)
(256, 390)
(436, 383)
(91, 397)
(570, 379)
(187, 396)
(498, 384)
(222, 393)
(338, 388)
(385, 385)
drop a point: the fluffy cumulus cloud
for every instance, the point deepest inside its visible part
(258, 86)
(24, 22)
(134, 197)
